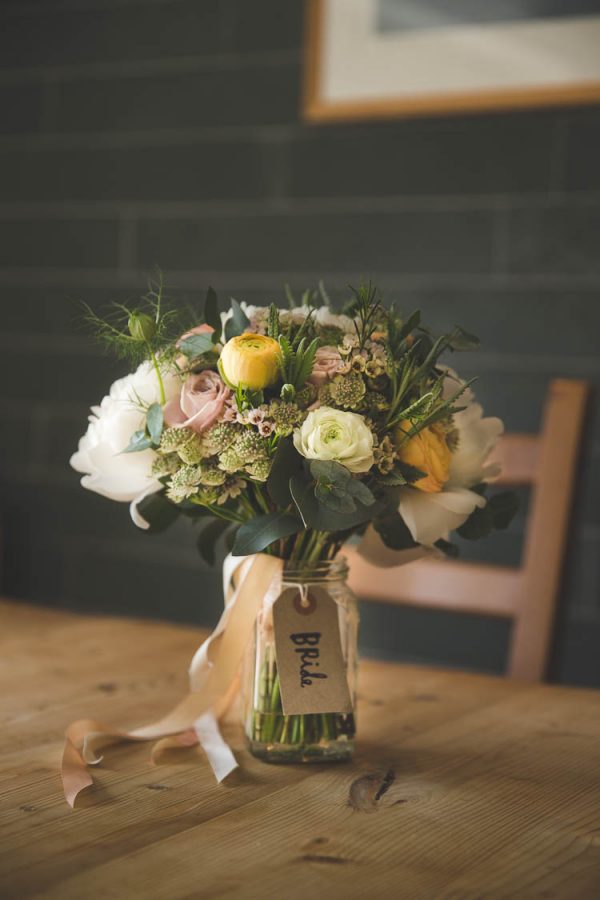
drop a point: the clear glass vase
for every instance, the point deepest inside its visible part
(314, 737)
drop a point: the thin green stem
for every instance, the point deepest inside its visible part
(161, 387)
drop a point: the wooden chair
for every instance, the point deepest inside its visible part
(526, 595)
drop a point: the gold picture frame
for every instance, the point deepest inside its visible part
(318, 107)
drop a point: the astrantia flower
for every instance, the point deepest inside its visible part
(346, 390)
(332, 434)
(106, 469)
(431, 516)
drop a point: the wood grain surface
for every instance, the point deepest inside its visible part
(463, 786)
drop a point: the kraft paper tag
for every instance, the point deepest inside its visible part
(312, 674)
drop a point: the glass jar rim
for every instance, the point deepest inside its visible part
(323, 570)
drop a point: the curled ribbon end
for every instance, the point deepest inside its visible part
(213, 676)
(75, 777)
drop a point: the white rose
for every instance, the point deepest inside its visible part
(106, 469)
(431, 516)
(333, 434)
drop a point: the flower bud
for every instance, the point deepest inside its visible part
(142, 327)
(250, 361)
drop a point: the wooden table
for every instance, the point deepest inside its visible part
(493, 787)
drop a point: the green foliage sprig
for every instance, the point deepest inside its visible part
(142, 329)
(297, 361)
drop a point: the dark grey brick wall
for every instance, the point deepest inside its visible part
(136, 132)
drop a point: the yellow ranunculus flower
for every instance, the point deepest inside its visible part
(427, 451)
(250, 360)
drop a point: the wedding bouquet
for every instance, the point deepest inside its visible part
(288, 432)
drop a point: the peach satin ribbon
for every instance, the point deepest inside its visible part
(213, 684)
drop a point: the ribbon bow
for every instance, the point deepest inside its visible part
(214, 681)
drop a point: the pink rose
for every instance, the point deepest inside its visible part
(200, 403)
(326, 366)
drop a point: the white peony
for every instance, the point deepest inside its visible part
(326, 318)
(332, 434)
(431, 516)
(106, 469)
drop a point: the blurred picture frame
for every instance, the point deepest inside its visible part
(376, 59)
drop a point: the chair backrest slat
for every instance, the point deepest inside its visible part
(518, 454)
(526, 595)
(438, 584)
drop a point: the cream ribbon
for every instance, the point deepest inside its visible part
(214, 681)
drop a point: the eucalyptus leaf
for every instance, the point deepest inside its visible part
(196, 345)
(359, 490)
(329, 471)
(154, 422)
(139, 441)
(258, 533)
(335, 501)
(316, 515)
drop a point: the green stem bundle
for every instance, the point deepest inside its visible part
(302, 735)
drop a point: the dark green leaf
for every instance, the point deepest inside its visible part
(230, 536)
(208, 537)
(258, 533)
(447, 548)
(238, 323)
(393, 531)
(196, 345)
(158, 511)
(411, 473)
(139, 441)
(497, 514)
(287, 462)
(504, 507)
(403, 474)
(479, 524)
(211, 314)
(154, 422)
(409, 325)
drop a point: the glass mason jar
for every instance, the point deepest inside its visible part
(272, 736)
